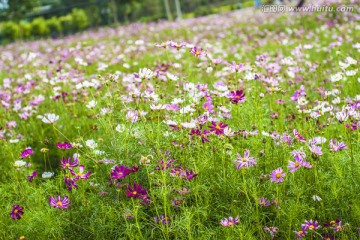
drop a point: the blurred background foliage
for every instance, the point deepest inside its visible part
(28, 20)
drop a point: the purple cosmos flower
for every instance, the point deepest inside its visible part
(264, 202)
(27, 153)
(80, 174)
(64, 145)
(236, 67)
(293, 166)
(271, 230)
(120, 172)
(59, 203)
(316, 150)
(178, 172)
(245, 161)
(183, 191)
(298, 155)
(136, 191)
(70, 183)
(162, 219)
(335, 146)
(228, 222)
(209, 107)
(16, 212)
(237, 96)
(176, 202)
(298, 136)
(328, 236)
(198, 52)
(218, 128)
(338, 227)
(300, 234)
(277, 175)
(68, 163)
(311, 225)
(190, 175)
(353, 126)
(31, 177)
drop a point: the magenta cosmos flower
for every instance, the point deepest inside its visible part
(31, 177)
(246, 161)
(59, 203)
(228, 222)
(27, 153)
(218, 128)
(120, 172)
(64, 145)
(80, 174)
(237, 96)
(311, 225)
(197, 52)
(16, 212)
(67, 163)
(136, 191)
(264, 202)
(277, 175)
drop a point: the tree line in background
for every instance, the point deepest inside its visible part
(29, 19)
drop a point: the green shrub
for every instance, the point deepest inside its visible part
(10, 30)
(80, 19)
(39, 28)
(247, 4)
(54, 26)
(25, 30)
(203, 11)
(66, 23)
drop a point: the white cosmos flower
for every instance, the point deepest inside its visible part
(316, 198)
(172, 77)
(91, 104)
(120, 128)
(19, 163)
(91, 143)
(49, 118)
(47, 174)
(336, 77)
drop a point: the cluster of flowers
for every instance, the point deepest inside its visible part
(312, 226)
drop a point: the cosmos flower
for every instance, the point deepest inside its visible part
(236, 67)
(27, 153)
(311, 225)
(335, 146)
(80, 174)
(228, 222)
(197, 52)
(91, 143)
(64, 145)
(277, 175)
(271, 230)
(316, 150)
(264, 202)
(190, 175)
(136, 191)
(120, 172)
(246, 161)
(217, 128)
(237, 96)
(298, 136)
(19, 163)
(49, 118)
(31, 177)
(16, 212)
(59, 203)
(67, 163)
(176, 202)
(183, 191)
(162, 219)
(293, 166)
(70, 183)
(300, 234)
(47, 174)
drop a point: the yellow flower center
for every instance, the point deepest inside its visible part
(244, 159)
(67, 165)
(237, 97)
(134, 192)
(59, 204)
(230, 223)
(217, 127)
(312, 227)
(197, 53)
(278, 175)
(22, 238)
(79, 174)
(16, 211)
(297, 164)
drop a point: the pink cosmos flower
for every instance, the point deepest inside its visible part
(198, 52)
(228, 222)
(80, 174)
(277, 175)
(246, 161)
(59, 203)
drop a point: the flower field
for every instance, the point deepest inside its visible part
(241, 125)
